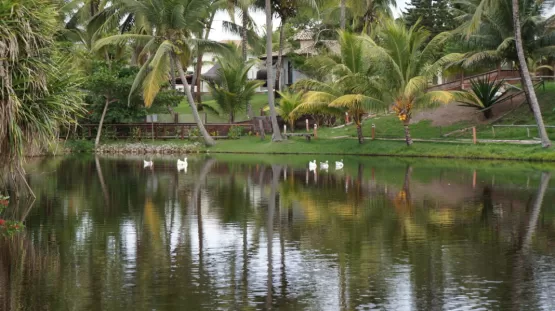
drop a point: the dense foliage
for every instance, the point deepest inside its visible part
(39, 89)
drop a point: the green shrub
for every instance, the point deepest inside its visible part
(80, 145)
(194, 134)
(235, 132)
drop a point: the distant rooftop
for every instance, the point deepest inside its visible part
(304, 35)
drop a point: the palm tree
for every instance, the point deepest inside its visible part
(526, 75)
(231, 88)
(351, 84)
(174, 22)
(492, 29)
(39, 88)
(406, 63)
(287, 104)
(276, 136)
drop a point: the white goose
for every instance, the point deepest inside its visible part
(339, 164)
(147, 164)
(324, 165)
(312, 165)
(182, 165)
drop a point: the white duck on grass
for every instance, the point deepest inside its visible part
(312, 165)
(147, 163)
(339, 164)
(324, 165)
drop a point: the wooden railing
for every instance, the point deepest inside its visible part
(458, 84)
(153, 130)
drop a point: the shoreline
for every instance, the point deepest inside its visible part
(255, 146)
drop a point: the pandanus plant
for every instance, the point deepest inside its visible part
(484, 94)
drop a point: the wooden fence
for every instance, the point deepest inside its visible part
(464, 82)
(154, 130)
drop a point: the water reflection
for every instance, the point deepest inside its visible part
(239, 233)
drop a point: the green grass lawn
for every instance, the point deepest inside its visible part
(258, 101)
(393, 148)
(388, 126)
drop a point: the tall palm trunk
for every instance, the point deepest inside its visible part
(408, 138)
(197, 77)
(244, 43)
(527, 79)
(99, 132)
(279, 65)
(208, 140)
(276, 136)
(342, 18)
(244, 32)
(359, 132)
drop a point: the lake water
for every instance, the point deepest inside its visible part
(237, 232)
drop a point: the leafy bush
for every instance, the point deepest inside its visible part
(235, 132)
(194, 134)
(136, 133)
(80, 145)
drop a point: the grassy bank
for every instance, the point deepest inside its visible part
(385, 148)
(320, 146)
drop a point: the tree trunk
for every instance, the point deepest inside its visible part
(342, 18)
(525, 88)
(408, 139)
(359, 133)
(244, 44)
(99, 132)
(528, 81)
(244, 32)
(276, 136)
(208, 140)
(198, 77)
(172, 73)
(280, 55)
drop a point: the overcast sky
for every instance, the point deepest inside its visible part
(219, 34)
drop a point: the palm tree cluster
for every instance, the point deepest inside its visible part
(390, 69)
(48, 46)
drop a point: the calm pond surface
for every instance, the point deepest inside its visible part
(238, 232)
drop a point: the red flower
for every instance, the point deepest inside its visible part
(2, 222)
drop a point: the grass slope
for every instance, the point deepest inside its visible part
(385, 148)
(389, 126)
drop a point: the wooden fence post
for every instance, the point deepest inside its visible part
(315, 131)
(528, 131)
(474, 135)
(493, 130)
(307, 127)
(373, 131)
(262, 134)
(346, 117)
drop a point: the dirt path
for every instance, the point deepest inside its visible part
(455, 113)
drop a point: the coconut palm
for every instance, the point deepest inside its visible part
(231, 88)
(39, 88)
(504, 30)
(174, 22)
(352, 84)
(276, 136)
(288, 102)
(406, 61)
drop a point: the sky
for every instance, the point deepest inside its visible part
(218, 34)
